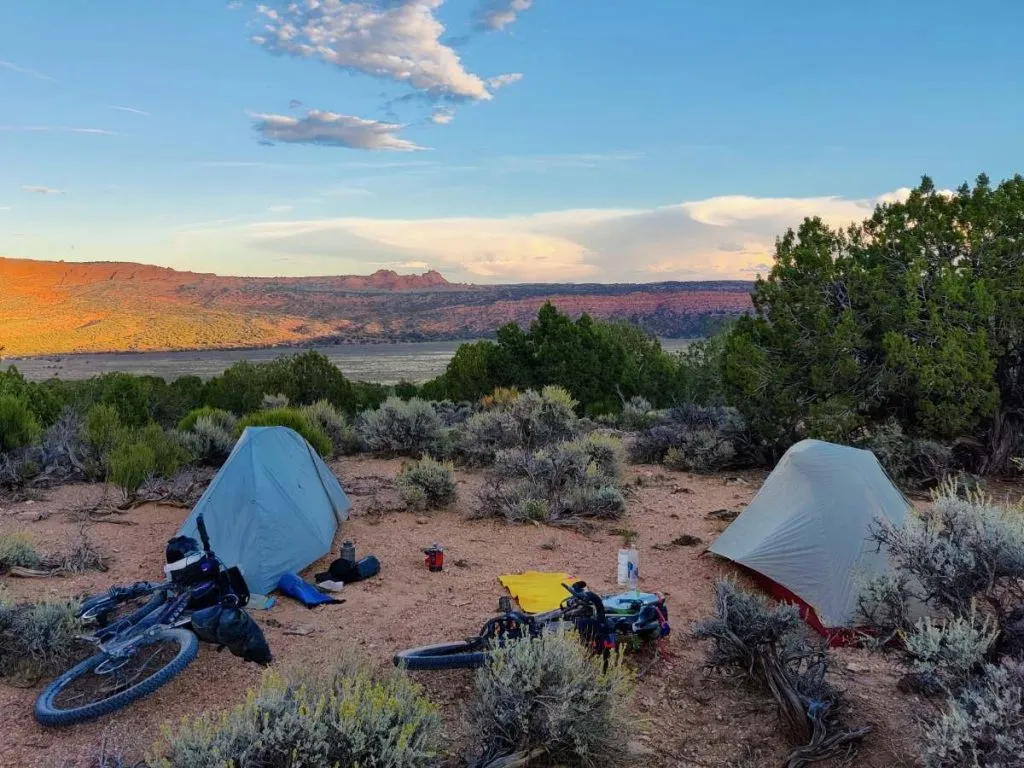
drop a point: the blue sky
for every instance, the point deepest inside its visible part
(494, 140)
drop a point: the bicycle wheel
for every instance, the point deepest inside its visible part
(460, 655)
(101, 684)
(105, 610)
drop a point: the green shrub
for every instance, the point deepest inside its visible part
(129, 465)
(37, 639)
(347, 715)
(551, 695)
(427, 484)
(400, 428)
(169, 452)
(18, 427)
(293, 419)
(343, 436)
(103, 429)
(17, 549)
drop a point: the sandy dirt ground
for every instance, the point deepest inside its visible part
(689, 719)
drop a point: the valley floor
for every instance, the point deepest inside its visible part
(689, 719)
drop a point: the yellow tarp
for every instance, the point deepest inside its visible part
(537, 591)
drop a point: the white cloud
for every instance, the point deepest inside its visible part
(442, 116)
(25, 71)
(57, 129)
(331, 129)
(132, 110)
(502, 80)
(280, 208)
(498, 14)
(40, 190)
(398, 40)
(729, 237)
(5, 207)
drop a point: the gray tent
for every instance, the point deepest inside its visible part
(274, 507)
(805, 534)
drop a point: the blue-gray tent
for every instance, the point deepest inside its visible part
(274, 507)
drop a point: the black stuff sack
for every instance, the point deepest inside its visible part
(234, 629)
(348, 572)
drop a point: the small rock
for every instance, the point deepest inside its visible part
(853, 666)
(422, 520)
(682, 489)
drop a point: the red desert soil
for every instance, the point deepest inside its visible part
(689, 720)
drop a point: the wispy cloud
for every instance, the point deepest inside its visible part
(398, 40)
(498, 14)
(280, 208)
(58, 129)
(26, 71)
(502, 80)
(41, 190)
(5, 207)
(132, 110)
(728, 237)
(332, 129)
(442, 116)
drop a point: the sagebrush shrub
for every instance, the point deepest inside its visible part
(38, 639)
(213, 437)
(18, 427)
(957, 556)
(637, 414)
(17, 549)
(270, 402)
(562, 484)
(427, 484)
(219, 416)
(453, 414)
(527, 421)
(983, 725)
(343, 436)
(551, 694)
(293, 419)
(400, 427)
(946, 654)
(346, 715)
(770, 645)
(703, 439)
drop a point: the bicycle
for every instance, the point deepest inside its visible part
(142, 636)
(603, 624)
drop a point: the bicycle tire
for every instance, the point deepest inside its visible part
(47, 713)
(460, 655)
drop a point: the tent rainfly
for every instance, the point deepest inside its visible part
(805, 534)
(274, 507)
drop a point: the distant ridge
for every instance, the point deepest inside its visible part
(54, 307)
